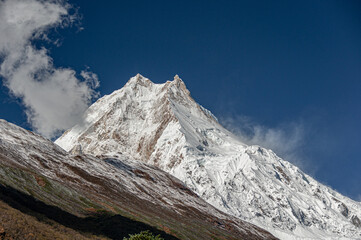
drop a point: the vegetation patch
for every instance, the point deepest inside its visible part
(145, 235)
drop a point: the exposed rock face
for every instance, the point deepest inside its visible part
(356, 221)
(2, 233)
(76, 150)
(162, 125)
(343, 209)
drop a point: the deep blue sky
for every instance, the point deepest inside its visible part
(277, 62)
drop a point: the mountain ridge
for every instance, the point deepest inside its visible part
(162, 125)
(109, 194)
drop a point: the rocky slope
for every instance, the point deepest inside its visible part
(162, 125)
(104, 196)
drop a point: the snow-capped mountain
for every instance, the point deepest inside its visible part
(161, 124)
(112, 189)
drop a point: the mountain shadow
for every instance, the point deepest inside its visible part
(105, 224)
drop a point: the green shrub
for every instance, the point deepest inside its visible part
(144, 235)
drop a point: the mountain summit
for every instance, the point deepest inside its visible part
(161, 124)
(144, 120)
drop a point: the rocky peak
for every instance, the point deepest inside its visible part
(139, 83)
(178, 83)
(144, 120)
(178, 86)
(142, 86)
(138, 79)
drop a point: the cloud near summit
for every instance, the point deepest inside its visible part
(287, 139)
(55, 98)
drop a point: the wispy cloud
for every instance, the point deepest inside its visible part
(55, 98)
(287, 139)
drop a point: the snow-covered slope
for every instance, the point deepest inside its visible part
(162, 125)
(86, 185)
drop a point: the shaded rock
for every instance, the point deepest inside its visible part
(2, 233)
(343, 209)
(356, 221)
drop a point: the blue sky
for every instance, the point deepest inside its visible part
(291, 68)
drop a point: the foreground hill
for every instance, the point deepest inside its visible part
(101, 197)
(162, 125)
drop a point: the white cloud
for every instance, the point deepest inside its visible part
(55, 98)
(286, 140)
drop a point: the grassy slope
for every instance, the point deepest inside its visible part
(15, 224)
(29, 210)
